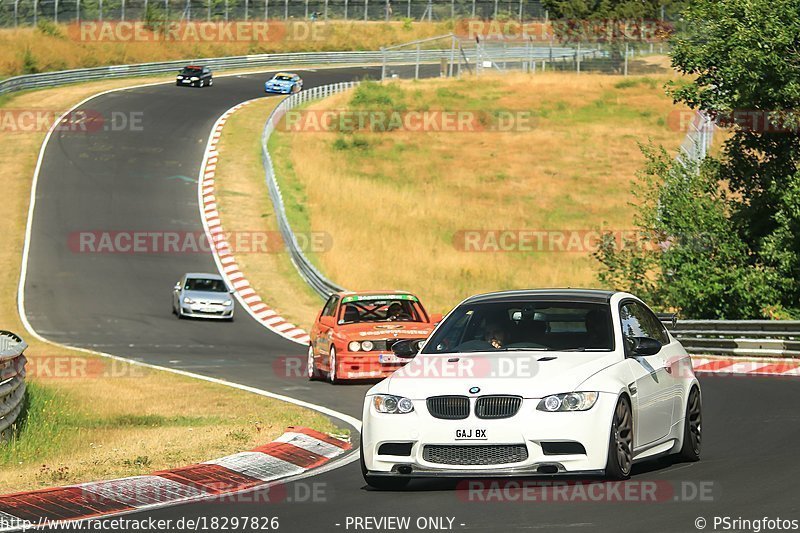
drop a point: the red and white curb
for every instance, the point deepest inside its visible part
(223, 254)
(296, 451)
(710, 364)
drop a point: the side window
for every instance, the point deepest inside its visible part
(638, 321)
(330, 306)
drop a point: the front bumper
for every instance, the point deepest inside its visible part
(278, 90)
(529, 428)
(366, 365)
(218, 312)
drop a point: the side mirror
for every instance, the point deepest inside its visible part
(642, 346)
(177, 286)
(435, 318)
(407, 349)
(327, 321)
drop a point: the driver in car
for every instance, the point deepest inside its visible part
(494, 335)
(395, 312)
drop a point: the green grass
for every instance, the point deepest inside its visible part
(44, 422)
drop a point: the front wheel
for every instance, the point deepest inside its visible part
(311, 366)
(620, 445)
(381, 482)
(332, 367)
(692, 427)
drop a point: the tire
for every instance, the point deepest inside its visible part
(311, 366)
(692, 427)
(201, 84)
(620, 441)
(332, 373)
(211, 82)
(380, 482)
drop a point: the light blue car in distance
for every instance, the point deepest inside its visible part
(284, 83)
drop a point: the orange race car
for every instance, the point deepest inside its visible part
(353, 334)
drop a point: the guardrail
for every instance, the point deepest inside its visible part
(315, 279)
(63, 77)
(12, 379)
(759, 338)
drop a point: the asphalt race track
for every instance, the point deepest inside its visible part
(144, 179)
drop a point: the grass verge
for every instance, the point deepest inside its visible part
(147, 420)
(245, 206)
(396, 202)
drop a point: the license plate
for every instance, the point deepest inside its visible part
(390, 358)
(471, 434)
(187, 81)
(207, 310)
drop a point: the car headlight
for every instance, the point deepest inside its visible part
(180, 77)
(354, 346)
(367, 346)
(385, 403)
(570, 401)
(188, 300)
(227, 302)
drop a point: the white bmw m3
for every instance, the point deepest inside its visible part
(539, 382)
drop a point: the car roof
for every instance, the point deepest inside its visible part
(369, 293)
(203, 275)
(193, 66)
(562, 295)
(285, 74)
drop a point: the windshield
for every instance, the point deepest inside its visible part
(205, 285)
(191, 71)
(521, 325)
(282, 78)
(368, 309)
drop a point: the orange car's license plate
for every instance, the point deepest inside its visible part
(389, 358)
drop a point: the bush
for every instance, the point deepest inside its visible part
(690, 254)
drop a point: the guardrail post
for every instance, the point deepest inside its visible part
(366, 9)
(625, 68)
(383, 63)
(416, 66)
(578, 59)
(55, 11)
(345, 9)
(266, 8)
(286, 10)
(36, 11)
(325, 16)
(246, 9)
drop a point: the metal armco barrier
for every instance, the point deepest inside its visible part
(759, 338)
(12, 379)
(315, 279)
(63, 77)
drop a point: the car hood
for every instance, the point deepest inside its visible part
(386, 330)
(280, 83)
(526, 374)
(216, 297)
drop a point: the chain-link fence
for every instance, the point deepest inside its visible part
(27, 12)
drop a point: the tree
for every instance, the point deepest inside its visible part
(742, 62)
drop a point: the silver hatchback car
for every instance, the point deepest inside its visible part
(202, 296)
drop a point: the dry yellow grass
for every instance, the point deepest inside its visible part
(245, 206)
(146, 420)
(69, 50)
(395, 202)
